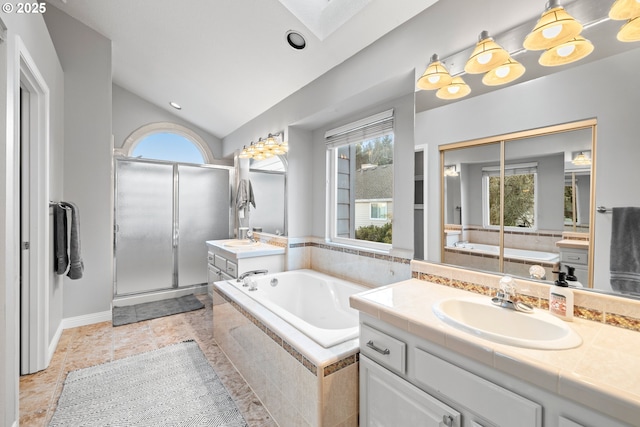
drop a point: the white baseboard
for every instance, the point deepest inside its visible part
(87, 319)
(54, 343)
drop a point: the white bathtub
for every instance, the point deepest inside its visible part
(511, 253)
(314, 303)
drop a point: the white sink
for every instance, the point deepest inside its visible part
(478, 316)
(241, 244)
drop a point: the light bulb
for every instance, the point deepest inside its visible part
(565, 51)
(453, 89)
(433, 79)
(552, 32)
(484, 58)
(502, 72)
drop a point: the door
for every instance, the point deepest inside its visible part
(164, 213)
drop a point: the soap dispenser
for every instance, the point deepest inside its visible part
(571, 277)
(561, 298)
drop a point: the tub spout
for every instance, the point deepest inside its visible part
(250, 273)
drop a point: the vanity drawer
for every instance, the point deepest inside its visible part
(220, 262)
(384, 349)
(232, 269)
(576, 256)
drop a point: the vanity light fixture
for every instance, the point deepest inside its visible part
(486, 56)
(570, 51)
(554, 27)
(624, 9)
(505, 73)
(581, 160)
(435, 76)
(630, 32)
(273, 145)
(454, 90)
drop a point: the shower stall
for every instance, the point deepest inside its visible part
(164, 214)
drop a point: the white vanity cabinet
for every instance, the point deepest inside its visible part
(409, 381)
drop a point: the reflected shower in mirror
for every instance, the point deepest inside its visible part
(519, 201)
(269, 182)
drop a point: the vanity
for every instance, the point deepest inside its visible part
(417, 370)
(227, 259)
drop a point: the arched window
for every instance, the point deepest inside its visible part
(167, 141)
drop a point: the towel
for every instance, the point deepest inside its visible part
(76, 265)
(625, 250)
(245, 195)
(61, 261)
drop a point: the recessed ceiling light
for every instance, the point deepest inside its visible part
(175, 105)
(296, 40)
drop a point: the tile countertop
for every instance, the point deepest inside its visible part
(572, 243)
(602, 373)
(259, 249)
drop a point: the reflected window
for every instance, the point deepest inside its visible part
(168, 146)
(520, 210)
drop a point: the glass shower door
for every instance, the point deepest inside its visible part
(203, 214)
(144, 227)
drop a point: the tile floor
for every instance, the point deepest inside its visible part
(94, 344)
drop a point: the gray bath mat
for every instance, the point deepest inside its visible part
(172, 386)
(153, 310)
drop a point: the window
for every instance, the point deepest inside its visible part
(360, 175)
(378, 210)
(167, 141)
(520, 210)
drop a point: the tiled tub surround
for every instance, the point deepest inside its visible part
(601, 374)
(298, 381)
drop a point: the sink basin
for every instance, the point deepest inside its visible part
(241, 244)
(477, 316)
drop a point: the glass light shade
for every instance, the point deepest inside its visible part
(435, 76)
(486, 56)
(566, 53)
(581, 160)
(456, 89)
(503, 74)
(624, 9)
(450, 171)
(244, 154)
(555, 26)
(630, 32)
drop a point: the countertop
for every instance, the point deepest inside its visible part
(573, 243)
(602, 373)
(231, 247)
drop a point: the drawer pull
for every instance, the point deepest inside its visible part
(372, 346)
(447, 420)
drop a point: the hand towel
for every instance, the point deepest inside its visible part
(76, 265)
(245, 194)
(625, 250)
(61, 261)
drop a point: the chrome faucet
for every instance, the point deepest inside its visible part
(507, 296)
(250, 273)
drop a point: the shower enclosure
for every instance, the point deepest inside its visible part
(164, 213)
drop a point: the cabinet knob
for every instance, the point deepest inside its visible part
(447, 420)
(372, 346)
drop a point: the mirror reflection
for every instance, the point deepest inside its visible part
(269, 182)
(525, 212)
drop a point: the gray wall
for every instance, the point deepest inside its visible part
(131, 112)
(86, 59)
(567, 96)
(32, 32)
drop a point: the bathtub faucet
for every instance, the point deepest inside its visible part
(250, 273)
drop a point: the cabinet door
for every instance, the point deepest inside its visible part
(386, 400)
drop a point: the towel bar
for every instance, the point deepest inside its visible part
(602, 209)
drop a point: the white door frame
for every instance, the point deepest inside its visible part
(35, 304)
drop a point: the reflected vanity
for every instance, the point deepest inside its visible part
(520, 200)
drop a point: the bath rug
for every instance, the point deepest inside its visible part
(153, 310)
(171, 386)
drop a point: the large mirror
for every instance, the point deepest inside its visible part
(520, 203)
(269, 182)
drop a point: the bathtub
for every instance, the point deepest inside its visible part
(510, 253)
(314, 303)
